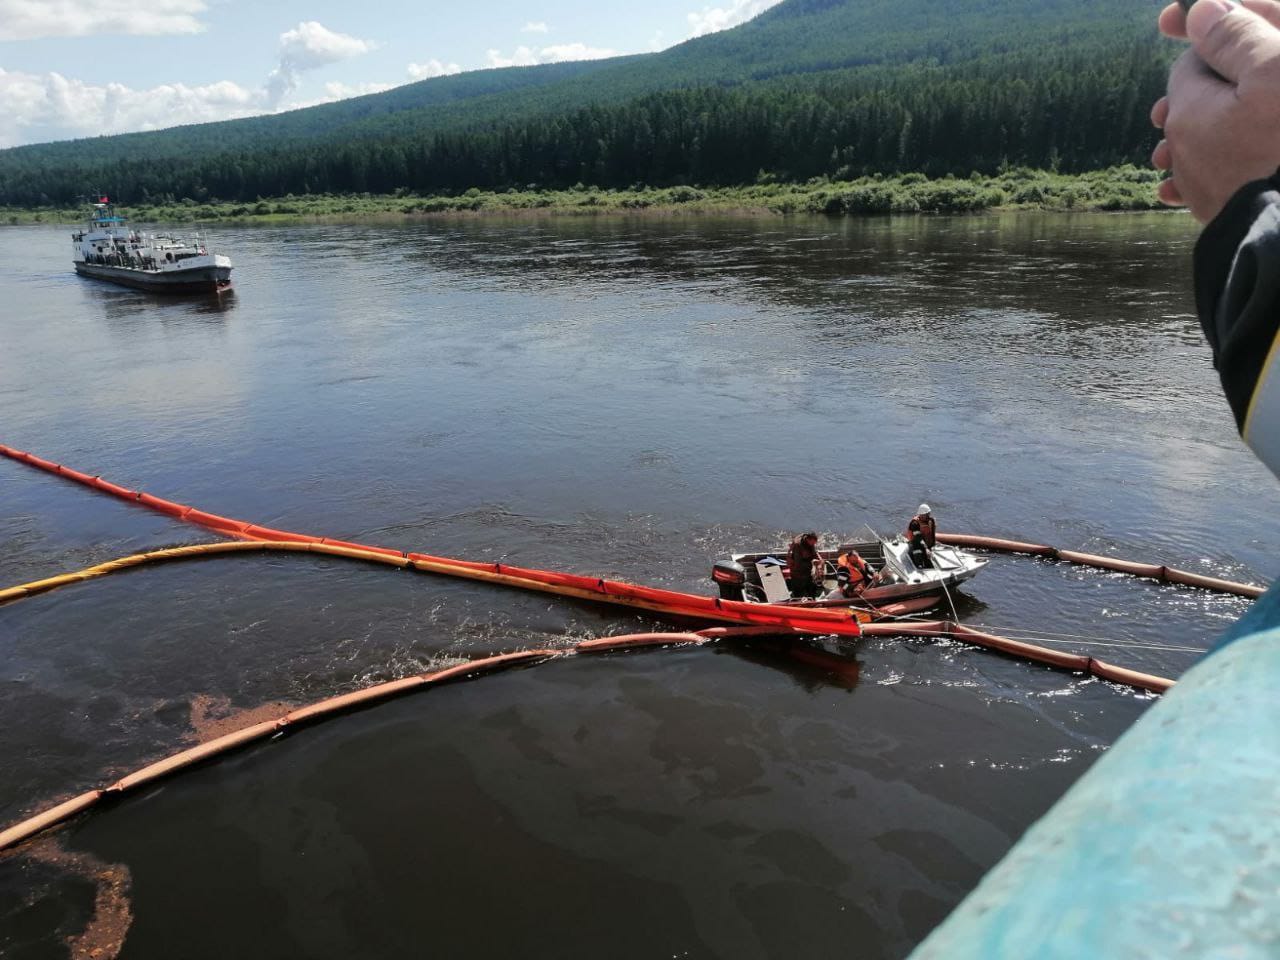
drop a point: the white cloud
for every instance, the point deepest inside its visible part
(333, 91)
(575, 51)
(534, 26)
(714, 19)
(432, 68)
(527, 56)
(50, 106)
(309, 46)
(523, 57)
(343, 91)
(29, 19)
(41, 107)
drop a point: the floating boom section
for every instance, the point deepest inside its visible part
(756, 620)
(595, 589)
(299, 717)
(1059, 659)
(1149, 570)
(1166, 847)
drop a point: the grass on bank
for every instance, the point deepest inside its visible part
(1117, 188)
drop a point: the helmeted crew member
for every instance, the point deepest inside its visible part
(924, 523)
(859, 572)
(805, 564)
(922, 534)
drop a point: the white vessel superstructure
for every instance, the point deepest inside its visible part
(108, 249)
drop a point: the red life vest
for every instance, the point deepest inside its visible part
(801, 558)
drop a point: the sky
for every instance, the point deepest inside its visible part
(77, 68)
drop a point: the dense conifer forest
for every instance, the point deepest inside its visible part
(839, 89)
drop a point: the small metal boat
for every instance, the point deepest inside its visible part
(108, 250)
(763, 576)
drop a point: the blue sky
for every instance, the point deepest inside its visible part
(74, 68)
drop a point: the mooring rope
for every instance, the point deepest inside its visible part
(1119, 644)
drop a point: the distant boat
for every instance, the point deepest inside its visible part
(109, 250)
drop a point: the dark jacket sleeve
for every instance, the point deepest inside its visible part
(1237, 280)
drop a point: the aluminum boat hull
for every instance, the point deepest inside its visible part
(950, 568)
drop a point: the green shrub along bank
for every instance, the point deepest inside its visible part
(1117, 188)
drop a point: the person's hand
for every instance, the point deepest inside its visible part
(1221, 118)
(1173, 21)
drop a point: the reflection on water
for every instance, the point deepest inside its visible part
(811, 664)
(124, 304)
(628, 398)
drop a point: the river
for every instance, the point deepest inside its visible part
(629, 398)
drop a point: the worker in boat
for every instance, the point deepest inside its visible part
(806, 566)
(855, 574)
(922, 534)
(924, 523)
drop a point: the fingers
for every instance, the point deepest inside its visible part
(1204, 16)
(1268, 10)
(1160, 113)
(1169, 195)
(1173, 22)
(1189, 72)
(1161, 157)
(1233, 40)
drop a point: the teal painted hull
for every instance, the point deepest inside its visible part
(1169, 846)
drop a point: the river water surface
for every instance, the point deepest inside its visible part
(627, 398)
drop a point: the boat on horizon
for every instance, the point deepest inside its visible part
(108, 249)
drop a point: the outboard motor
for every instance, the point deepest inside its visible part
(731, 575)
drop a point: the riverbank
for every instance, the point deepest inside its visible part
(1117, 188)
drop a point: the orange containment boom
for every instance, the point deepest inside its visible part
(344, 703)
(357, 699)
(1150, 570)
(843, 622)
(1017, 648)
(1060, 659)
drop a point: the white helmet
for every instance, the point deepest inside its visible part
(924, 508)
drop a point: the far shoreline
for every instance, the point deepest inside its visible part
(1117, 189)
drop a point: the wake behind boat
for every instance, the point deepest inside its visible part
(109, 250)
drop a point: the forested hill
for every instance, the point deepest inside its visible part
(809, 88)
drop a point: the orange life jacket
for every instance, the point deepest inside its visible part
(858, 568)
(927, 526)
